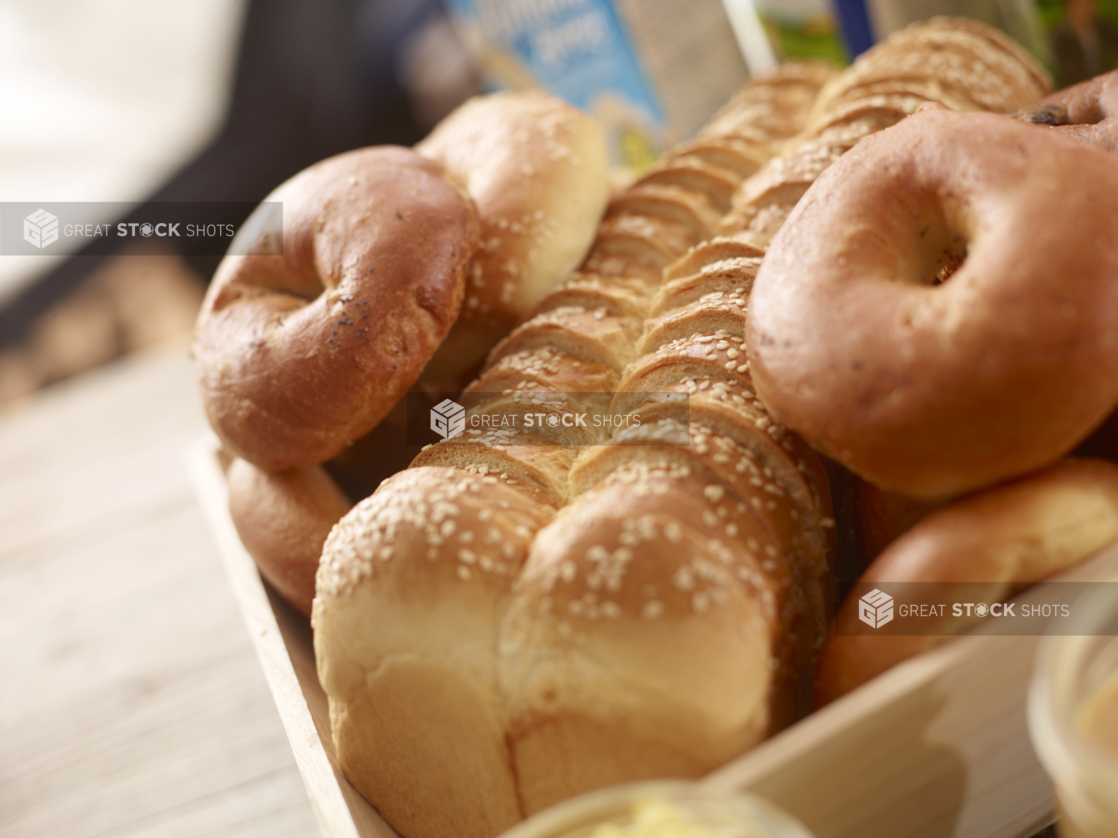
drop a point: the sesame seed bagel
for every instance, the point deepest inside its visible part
(537, 169)
(302, 352)
(922, 320)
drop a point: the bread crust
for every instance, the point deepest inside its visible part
(431, 556)
(669, 616)
(952, 62)
(575, 344)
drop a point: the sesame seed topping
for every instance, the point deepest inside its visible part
(684, 579)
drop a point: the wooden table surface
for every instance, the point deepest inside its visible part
(131, 700)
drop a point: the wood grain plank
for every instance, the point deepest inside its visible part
(96, 446)
(267, 806)
(132, 702)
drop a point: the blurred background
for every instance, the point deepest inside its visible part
(208, 100)
(221, 100)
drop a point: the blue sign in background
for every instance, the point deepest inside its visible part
(575, 49)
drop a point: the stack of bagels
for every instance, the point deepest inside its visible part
(850, 264)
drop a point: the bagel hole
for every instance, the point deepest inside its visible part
(951, 260)
(942, 249)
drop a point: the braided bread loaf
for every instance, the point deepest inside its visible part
(957, 63)
(435, 662)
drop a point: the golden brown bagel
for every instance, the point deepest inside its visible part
(283, 520)
(927, 387)
(1010, 536)
(1087, 112)
(303, 352)
(881, 517)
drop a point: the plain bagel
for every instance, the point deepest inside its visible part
(283, 519)
(1087, 112)
(301, 352)
(1008, 538)
(920, 318)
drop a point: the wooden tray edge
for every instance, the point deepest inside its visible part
(341, 811)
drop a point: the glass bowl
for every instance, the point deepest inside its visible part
(676, 809)
(1074, 690)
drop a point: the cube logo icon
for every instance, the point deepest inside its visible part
(875, 609)
(448, 419)
(40, 228)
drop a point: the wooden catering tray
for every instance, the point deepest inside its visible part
(937, 746)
